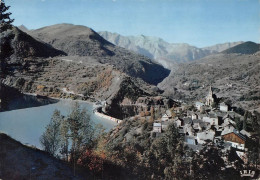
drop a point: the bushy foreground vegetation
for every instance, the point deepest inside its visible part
(142, 155)
(69, 137)
(133, 151)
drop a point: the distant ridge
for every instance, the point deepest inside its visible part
(244, 48)
(223, 46)
(156, 48)
(163, 52)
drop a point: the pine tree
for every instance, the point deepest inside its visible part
(5, 23)
(5, 20)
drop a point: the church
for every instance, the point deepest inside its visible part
(211, 98)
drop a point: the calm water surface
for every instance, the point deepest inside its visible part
(27, 125)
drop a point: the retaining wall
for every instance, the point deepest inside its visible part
(108, 117)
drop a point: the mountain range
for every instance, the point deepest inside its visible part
(233, 74)
(155, 48)
(83, 41)
(161, 51)
(78, 63)
(90, 65)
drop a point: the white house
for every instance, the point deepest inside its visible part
(194, 116)
(199, 105)
(223, 107)
(166, 117)
(177, 122)
(157, 127)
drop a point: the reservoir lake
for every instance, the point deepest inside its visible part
(27, 125)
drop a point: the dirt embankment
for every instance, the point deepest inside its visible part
(18, 161)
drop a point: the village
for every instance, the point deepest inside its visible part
(207, 124)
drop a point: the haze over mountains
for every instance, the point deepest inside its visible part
(162, 51)
(223, 46)
(234, 72)
(155, 48)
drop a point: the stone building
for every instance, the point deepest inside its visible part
(211, 98)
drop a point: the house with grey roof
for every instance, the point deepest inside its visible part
(187, 120)
(188, 129)
(190, 140)
(204, 136)
(212, 119)
(245, 133)
(227, 129)
(228, 121)
(199, 125)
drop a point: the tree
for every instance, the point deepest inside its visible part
(64, 144)
(50, 139)
(5, 23)
(152, 118)
(81, 131)
(207, 164)
(5, 20)
(245, 120)
(239, 123)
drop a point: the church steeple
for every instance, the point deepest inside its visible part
(210, 91)
(210, 98)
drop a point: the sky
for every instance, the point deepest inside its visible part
(197, 22)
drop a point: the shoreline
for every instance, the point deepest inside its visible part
(34, 94)
(118, 121)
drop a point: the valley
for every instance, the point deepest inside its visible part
(166, 107)
(233, 76)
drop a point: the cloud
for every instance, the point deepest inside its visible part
(43, 0)
(114, 0)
